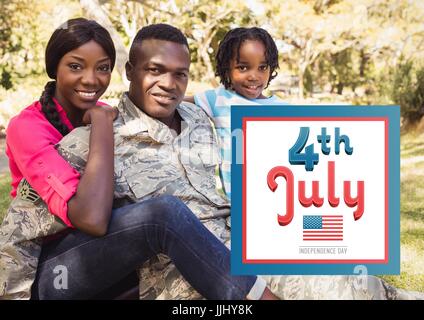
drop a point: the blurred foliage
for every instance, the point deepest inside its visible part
(19, 42)
(25, 27)
(203, 22)
(352, 51)
(408, 90)
(346, 43)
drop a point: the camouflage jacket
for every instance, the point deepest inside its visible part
(151, 160)
(26, 222)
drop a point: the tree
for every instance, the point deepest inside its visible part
(97, 12)
(25, 27)
(19, 42)
(203, 22)
(408, 91)
(350, 35)
(206, 25)
(315, 28)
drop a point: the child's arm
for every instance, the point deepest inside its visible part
(189, 99)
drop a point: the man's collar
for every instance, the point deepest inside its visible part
(136, 121)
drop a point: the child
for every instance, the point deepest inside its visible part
(245, 63)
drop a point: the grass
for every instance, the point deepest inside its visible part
(412, 213)
(4, 194)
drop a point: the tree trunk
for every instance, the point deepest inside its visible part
(340, 87)
(202, 49)
(364, 58)
(93, 10)
(302, 69)
(210, 74)
(300, 94)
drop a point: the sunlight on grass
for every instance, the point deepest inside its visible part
(412, 214)
(4, 194)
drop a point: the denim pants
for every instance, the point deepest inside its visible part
(136, 233)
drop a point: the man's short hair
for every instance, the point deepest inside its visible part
(160, 31)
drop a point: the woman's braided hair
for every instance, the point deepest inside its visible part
(70, 36)
(49, 108)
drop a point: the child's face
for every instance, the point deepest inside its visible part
(250, 75)
(83, 75)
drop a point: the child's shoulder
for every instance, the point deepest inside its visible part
(207, 100)
(215, 92)
(218, 97)
(274, 100)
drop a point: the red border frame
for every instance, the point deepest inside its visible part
(386, 188)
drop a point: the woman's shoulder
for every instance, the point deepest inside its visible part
(30, 118)
(28, 113)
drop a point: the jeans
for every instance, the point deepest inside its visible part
(136, 233)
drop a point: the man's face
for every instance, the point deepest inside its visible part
(159, 77)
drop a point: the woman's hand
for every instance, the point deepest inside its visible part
(100, 113)
(90, 208)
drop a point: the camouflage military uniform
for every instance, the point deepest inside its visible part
(26, 222)
(150, 161)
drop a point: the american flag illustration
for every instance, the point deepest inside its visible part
(323, 228)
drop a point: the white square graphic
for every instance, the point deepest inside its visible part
(267, 145)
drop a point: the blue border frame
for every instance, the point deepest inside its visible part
(390, 112)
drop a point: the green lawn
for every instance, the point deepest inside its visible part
(412, 213)
(4, 194)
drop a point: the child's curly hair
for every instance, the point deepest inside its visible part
(230, 46)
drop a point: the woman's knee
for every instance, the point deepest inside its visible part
(168, 210)
(163, 210)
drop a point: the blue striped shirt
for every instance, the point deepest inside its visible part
(217, 104)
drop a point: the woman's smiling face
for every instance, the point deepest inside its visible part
(83, 75)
